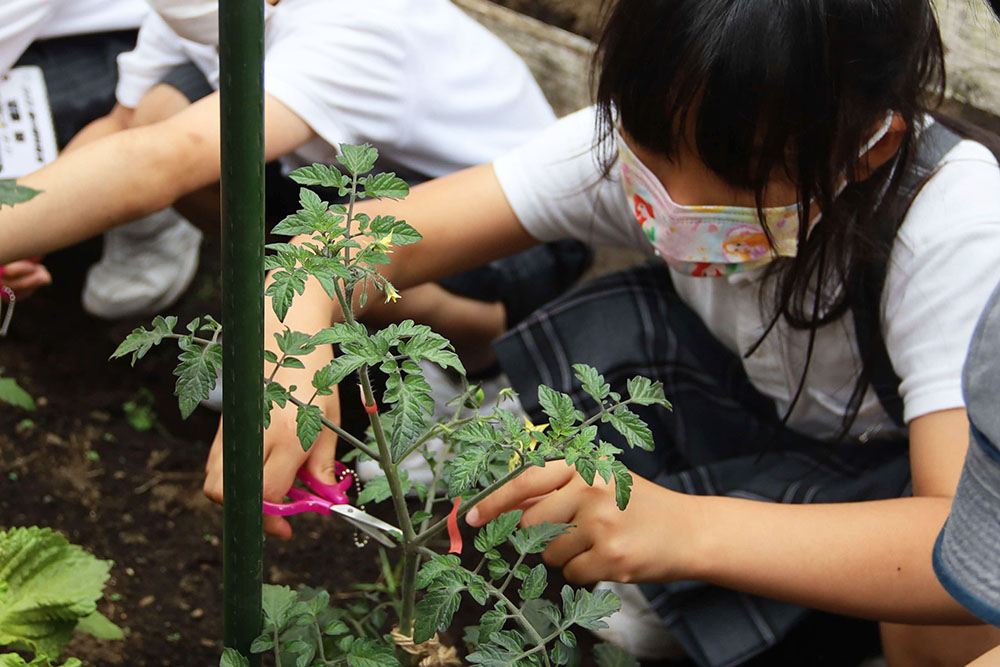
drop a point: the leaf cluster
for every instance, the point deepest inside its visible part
(48, 589)
(302, 629)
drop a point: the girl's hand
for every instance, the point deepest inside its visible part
(283, 456)
(646, 542)
(24, 277)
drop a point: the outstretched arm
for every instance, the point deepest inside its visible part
(125, 175)
(868, 559)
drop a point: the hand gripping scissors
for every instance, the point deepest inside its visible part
(325, 499)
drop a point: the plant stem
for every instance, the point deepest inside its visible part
(319, 640)
(426, 535)
(515, 613)
(510, 575)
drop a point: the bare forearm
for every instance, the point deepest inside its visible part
(109, 182)
(870, 559)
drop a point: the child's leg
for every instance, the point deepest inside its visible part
(937, 646)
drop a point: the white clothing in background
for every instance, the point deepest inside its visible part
(25, 21)
(942, 270)
(426, 84)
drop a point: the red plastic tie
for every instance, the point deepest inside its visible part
(370, 409)
(453, 534)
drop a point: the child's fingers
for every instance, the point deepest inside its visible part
(529, 485)
(322, 457)
(25, 276)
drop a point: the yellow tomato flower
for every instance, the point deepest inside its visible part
(515, 457)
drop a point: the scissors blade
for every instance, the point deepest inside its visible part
(369, 524)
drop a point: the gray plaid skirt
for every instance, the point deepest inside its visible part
(722, 437)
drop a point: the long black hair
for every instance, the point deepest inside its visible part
(781, 86)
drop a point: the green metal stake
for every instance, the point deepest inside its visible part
(241, 55)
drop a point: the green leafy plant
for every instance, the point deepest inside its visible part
(48, 590)
(484, 447)
(10, 392)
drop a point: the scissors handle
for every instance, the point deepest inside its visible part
(303, 501)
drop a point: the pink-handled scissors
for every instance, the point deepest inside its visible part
(332, 498)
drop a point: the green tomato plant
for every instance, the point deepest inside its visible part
(484, 447)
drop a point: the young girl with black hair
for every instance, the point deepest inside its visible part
(820, 251)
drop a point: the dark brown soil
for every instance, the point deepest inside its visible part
(77, 465)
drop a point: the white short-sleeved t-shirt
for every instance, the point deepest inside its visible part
(25, 21)
(942, 269)
(426, 84)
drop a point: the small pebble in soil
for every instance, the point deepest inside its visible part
(129, 571)
(148, 600)
(197, 613)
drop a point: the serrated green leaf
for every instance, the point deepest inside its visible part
(477, 432)
(293, 225)
(593, 382)
(609, 655)
(294, 343)
(586, 466)
(410, 414)
(497, 568)
(14, 660)
(283, 288)
(623, 484)
(496, 532)
(232, 658)
(320, 174)
(368, 653)
(197, 373)
(340, 333)
(587, 609)
(477, 588)
(534, 584)
(48, 586)
(11, 392)
(534, 539)
(336, 627)
(436, 609)
(560, 654)
(636, 433)
(385, 186)
(435, 567)
(402, 232)
(464, 470)
(308, 424)
(376, 490)
(276, 603)
(327, 271)
(643, 391)
(559, 408)
(141, 341)
(11, 193)
(98, 625)
(490, 622)
(262, 643)
(343, 366)
(357, 159)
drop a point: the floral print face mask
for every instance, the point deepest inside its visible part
(711, 240)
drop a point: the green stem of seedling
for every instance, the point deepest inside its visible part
(426, 535)
(510, 575)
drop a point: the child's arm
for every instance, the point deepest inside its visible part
(868, 559)
(466, 221)
(126, 175)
